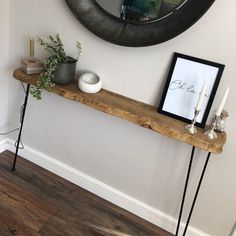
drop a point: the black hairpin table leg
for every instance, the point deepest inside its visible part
(196, 194)
(21, 126)
(185, 190)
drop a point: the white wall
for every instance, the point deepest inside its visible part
(4, 70)
(131, 159)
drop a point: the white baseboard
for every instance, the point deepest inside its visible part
(4, 145)
(91, 184)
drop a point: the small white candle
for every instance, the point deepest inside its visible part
(31, 49)
(221, 106)
(201, 98)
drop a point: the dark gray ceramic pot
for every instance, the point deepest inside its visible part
(65, 73)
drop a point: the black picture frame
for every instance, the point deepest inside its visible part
(130, 34)
(185, 80)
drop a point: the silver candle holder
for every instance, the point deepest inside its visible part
(191, 127)
(210, 133)
(220, 124)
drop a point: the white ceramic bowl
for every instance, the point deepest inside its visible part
(89, 83)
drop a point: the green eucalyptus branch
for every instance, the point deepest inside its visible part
(79, 48)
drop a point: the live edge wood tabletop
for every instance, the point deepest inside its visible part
(134, 111)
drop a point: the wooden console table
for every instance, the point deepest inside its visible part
(136, 112)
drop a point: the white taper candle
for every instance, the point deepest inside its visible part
(31, 49)
(201, 98)
(221, 106)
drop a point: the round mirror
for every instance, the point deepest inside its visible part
(140, 10)
(137, 23)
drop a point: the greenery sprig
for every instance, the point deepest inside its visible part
(55, 47)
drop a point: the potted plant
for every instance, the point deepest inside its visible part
(59, 68)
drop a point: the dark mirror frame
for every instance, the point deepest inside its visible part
(130, 34)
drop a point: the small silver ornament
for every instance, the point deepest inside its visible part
(220, 123)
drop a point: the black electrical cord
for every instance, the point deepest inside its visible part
(23, 87)
(3, 134)
(16, 129)
(21, 146)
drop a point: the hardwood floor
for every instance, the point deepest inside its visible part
(36, 202)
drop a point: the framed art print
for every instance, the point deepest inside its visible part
(186, 78)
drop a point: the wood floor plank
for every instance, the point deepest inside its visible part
(36, 202)
(11, 227)
(72, 226)
(21, 213)
(106, 215)
(44, 209)
(60, 182)
(41, 184)
(40, 177)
